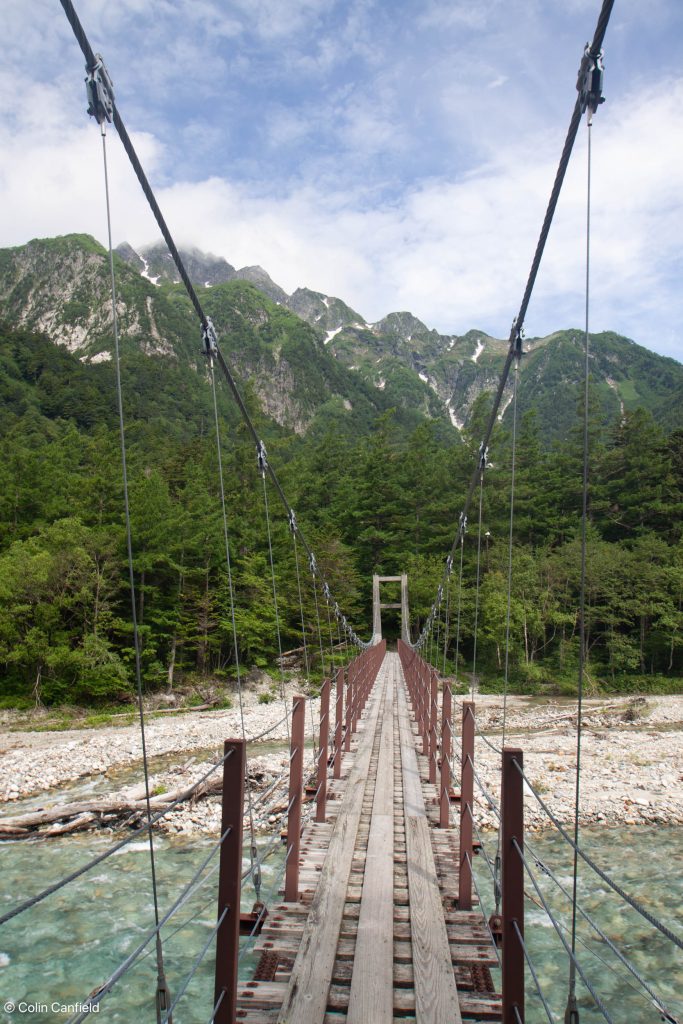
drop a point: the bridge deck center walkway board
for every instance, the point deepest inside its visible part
(376, 938)
(305, 1000)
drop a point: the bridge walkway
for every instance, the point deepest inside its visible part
(376, 936)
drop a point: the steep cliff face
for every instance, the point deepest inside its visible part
(301, 352)
(61, 287)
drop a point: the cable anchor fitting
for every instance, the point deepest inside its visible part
(571, 1014)
(100, 91)
(518, 333)
(262, 458)
(209, 339)
(590, 79)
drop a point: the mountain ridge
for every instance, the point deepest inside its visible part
(302, 351)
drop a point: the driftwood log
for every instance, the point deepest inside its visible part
(60, 820)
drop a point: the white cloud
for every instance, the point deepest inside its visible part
(360, 214)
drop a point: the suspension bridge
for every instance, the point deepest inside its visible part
(377, 913)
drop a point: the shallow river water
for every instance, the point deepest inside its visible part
(58, 952)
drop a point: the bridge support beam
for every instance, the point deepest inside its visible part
(296, 782)
(377, 606)
(230, 881)
(512, 847)
(466, 807)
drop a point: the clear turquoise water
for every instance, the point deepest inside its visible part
(63, 949)
(648, 864)
(68, 945)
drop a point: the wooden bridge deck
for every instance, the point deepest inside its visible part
(376, 936)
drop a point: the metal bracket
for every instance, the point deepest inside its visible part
(100, 91)
(209, 339)
(262, 458)
(589, 81)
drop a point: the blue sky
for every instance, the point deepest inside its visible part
(399, 155)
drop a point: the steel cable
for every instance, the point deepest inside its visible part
(94, 1000)
(39, 897)
(632, 902)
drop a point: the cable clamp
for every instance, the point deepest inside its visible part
(209, 338)
(518, 333)
(326, 592)
(291, 518)
(100, 91)
(590, 79)
(312, 564)
(483, 456)
(462, 524)
(337, 610)
(439, 594)
(449, 564)
(262, 458)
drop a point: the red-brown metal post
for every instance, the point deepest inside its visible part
(338, 722)
(512, 877)
(349, 703)
(229, 881)
(433, 708)
(321, 800)
(466, 808)
(446, 753)
(424, 711)
(296, 782)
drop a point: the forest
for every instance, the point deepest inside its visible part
(384, 499)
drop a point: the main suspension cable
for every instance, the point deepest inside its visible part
(590, 58)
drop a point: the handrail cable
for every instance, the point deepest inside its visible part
(657, 1000)
(551, 917)
(483, 909)
(195, 967)
(233, 621)
(632, 902)
(515, 337)
(94, 67)
(39, 897)
(88, 1005)
(530, 963)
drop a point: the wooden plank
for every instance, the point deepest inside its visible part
(370, 998)
(436, 994)
(305, 1000)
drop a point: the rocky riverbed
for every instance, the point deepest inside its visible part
(632, 758)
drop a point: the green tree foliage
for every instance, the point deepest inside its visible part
(380, 493)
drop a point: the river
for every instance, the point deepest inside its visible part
(59, 951)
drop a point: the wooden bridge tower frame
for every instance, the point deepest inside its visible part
(378, 607)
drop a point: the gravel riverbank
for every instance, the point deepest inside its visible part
(632, 757)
